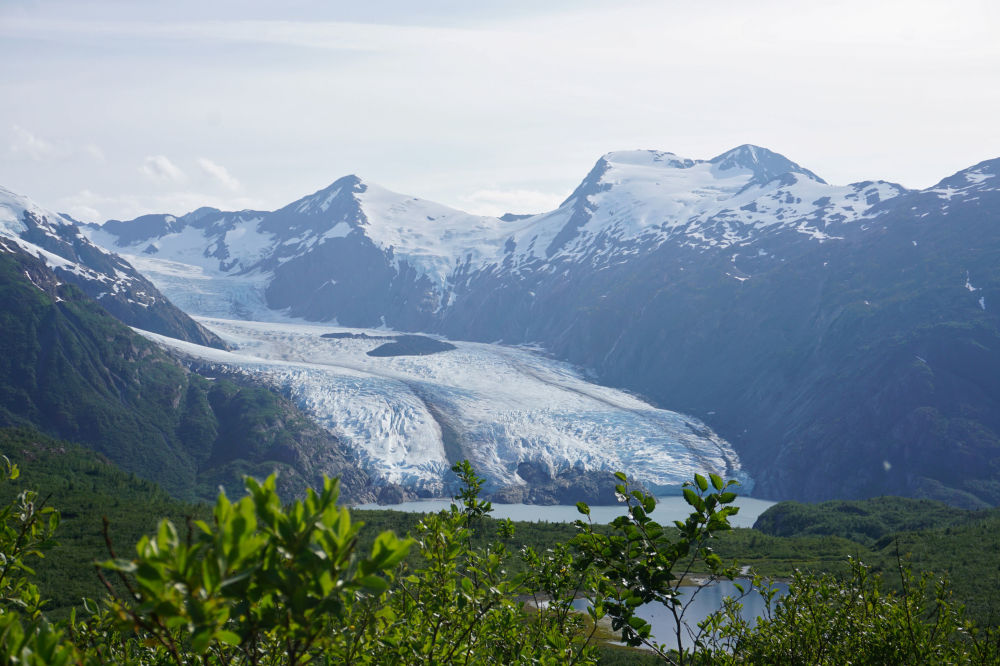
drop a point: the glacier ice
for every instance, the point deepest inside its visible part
(409, 417)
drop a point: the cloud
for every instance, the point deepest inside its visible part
(161, 170)
(90, 206)
(496, 202)
(94, 152)
(26, 144)
(30, 145)
(86, 205)
(444, 104)
(326, 35)
(219, 173)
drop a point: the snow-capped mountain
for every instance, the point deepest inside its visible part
(106, 277)
(356, 253)
(783, 311)
(353, 242)
(648, 196)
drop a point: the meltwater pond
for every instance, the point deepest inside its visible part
(705, 601)
(668, 509)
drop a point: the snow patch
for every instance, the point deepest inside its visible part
(977, 177)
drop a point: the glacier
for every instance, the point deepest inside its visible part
(410, 417)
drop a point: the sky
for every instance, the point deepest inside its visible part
(117, 108)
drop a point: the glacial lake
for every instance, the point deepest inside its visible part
(668, 509)
(706, 601)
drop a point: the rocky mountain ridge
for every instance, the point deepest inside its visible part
(104, 276)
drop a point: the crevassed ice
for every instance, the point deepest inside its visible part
(500, 406)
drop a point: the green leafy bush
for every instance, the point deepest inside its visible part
(263, 583)
(826, 619)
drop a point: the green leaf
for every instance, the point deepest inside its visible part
(119, 564)
(227, 637)
(374, 584)
(701, 481)
(717, 482)
(621, 476)
(583, 508)
(637, 623)
(201, 640)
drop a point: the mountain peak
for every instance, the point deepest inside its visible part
(650, 158)
(201, 213)
(977, 179)
(339, 193)
(765, 164)
(13, 206)
(348, 183)
(350, 180)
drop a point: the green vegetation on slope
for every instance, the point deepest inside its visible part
(72, 371)
(864, 521)
(84, 487)
(264, 583)
(963, 546)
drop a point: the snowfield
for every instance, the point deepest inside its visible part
(410, 417)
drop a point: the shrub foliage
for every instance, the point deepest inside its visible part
(264, 583)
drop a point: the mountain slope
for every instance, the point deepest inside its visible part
(72, 371)
(105, 277)
(851, 367)
(84, 487)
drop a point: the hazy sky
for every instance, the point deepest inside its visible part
(118, 108)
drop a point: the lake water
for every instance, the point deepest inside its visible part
(706, 601)
(668, 509)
